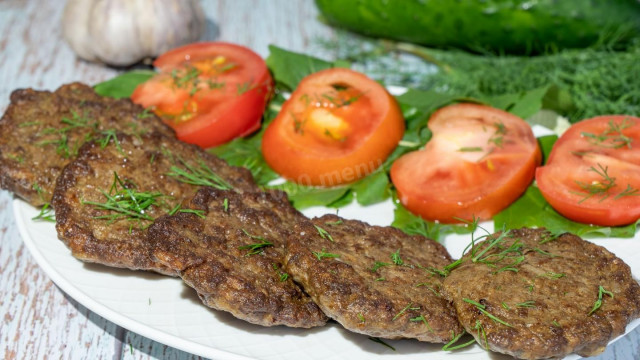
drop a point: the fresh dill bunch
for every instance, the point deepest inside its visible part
(589, 82)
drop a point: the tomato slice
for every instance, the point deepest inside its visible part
(337, 127)
(209, 93)
(479, 160)
(593, 172)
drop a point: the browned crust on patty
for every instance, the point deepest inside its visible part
(390, 302)
(546, 297)
(207, 253)
(37, 123)
(142, 163)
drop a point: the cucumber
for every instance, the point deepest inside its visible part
(500, 26)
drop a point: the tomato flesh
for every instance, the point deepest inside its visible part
(209, 93)
(479, 160)
(337, 127)
(593, 172)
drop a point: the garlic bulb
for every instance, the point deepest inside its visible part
(123, 32)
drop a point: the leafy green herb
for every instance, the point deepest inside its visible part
(395, 257)
(612, 137)
(454, 339)
(598, 188)
(46, 214)
(471, 149)
(323, 233)
(378, 265)
(483, 310)
(324, 255)
(408, 307)
(256, 248)
(361, 318)
(200, 175)
(379, 341)
(552, 275)
(122, 202)
(198, 213)
(421, 318)
(225, 205)
(527, 304)
(598, 303)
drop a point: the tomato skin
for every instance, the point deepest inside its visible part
(446, 183)
(224, 100)
(372, 127)
(578, 160)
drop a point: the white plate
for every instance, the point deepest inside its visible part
(165, 310)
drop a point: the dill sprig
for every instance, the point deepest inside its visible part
(323, 233)
(598, 303)
(125, 203)
(395, 257)
(379, 341)
(324, 255)
(421, 318)
(256, 248)
(46, 213)
(201, 175)
(408, 307)
(612, 137)
(483, 310)
(454, 339)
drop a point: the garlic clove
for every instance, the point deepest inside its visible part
(123, 32)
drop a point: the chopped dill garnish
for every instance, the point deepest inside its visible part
(201, 175)
(395, 257)
(408, 307)
(361, 317)
(323, 233)
(428, 286)
(125, 203)
(552, 275)
(334, 223)
(381, 279)
(324, 255)
(199, 213)
(225, 205)
(378, 265)
(46, 213)
(483, 310)
(175, 209)
(612, 137)
(379, 341)
(527, 304)
(454, 339)
(108, 136)
(470, 149)
(597, 188)
(598, 303)
(256, 248)
(421, 318)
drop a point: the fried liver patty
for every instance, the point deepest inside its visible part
(373, 280)
(41, 132)
(532, 295)
(231, 249)
(107, 197)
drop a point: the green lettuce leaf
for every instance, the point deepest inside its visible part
(532, 210)
(122, 86)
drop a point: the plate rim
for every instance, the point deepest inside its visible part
(107, 313)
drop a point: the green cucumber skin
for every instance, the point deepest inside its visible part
(504, 26)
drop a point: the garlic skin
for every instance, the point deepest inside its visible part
(124, 32)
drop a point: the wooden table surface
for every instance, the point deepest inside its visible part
(38, 319)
